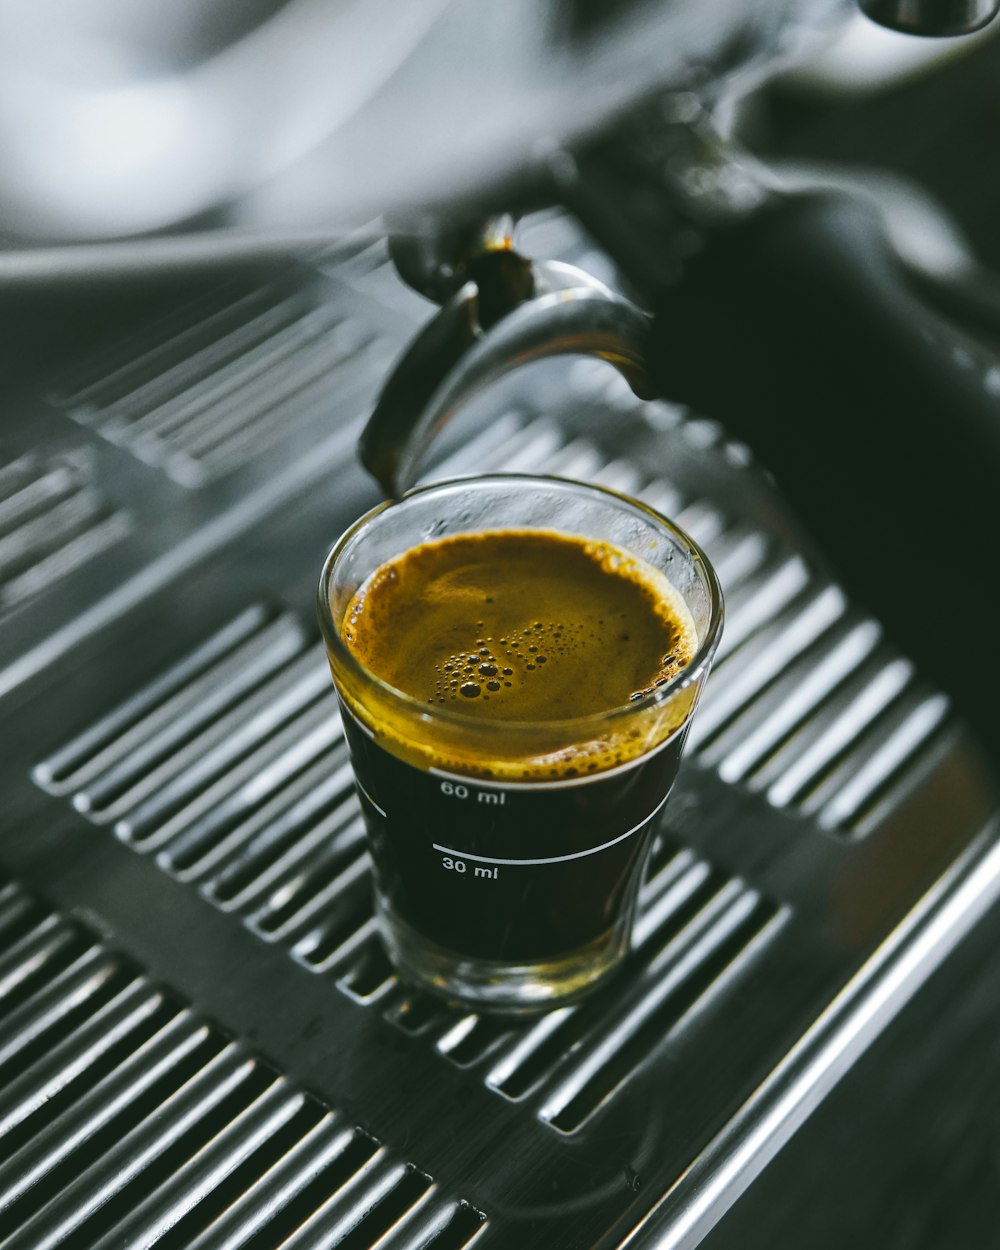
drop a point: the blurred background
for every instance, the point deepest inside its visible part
(198, 311)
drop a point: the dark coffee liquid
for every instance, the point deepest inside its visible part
(504, 871)
(488, 853)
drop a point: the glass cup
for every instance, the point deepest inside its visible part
(496, 885)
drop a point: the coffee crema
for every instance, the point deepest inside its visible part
(522, 628)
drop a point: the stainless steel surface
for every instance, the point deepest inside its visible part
(932, 17)
(123, 120)
(190, 980)
(827, 1050)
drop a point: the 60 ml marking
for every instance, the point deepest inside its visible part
(460, 866)
(496, 798)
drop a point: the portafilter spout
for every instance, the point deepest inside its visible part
(507, 311)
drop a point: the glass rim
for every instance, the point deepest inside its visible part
(594, 721)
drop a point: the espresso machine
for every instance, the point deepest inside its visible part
(264, 266)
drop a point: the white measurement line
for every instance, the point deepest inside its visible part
(380, 810)
(552, 859)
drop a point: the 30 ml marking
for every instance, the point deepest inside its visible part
(461, 867)
(550, 859)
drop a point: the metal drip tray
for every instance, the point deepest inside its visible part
(190, 984)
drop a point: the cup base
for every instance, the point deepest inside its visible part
(512, 989)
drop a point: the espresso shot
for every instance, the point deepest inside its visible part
(521, 625)
(517, 661)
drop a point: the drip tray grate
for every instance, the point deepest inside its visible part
(231, 768)
(127, 1119)
(204, 1046)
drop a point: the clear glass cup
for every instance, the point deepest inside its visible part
(497, 886)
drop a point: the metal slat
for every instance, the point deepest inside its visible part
(230, 832)
(737, 555)
(473, 1039)
(215, 394)
(243, 413)
(53, 518)
(147, 728)
(742, 674)
(116, 414)
(703, 521)
(794, 697)
(33, 956)
(357, 944)
(134, 1123)
(335, 921)
(752, 605)
(192, 405)
(713, 947)
(106, 378)
(62, 992)
(800, 768)
(415, 1012)
(18, 911)
(692, 897)
(249, 706)
(110, 1102)
(918, 717)
(101, 1032)
(537, 442)
(106, 529)
(357, 1202)
(484, 452)
(316, 898)
(303, 718)
(434, 1225)
(47, 531)
(280, 844)
(194, 1181)
(662, 495)
(134, 800)
(312, 1162)
(620, 475)
(107, 1176)
(671, 893)
(578, 458)
(29, 485)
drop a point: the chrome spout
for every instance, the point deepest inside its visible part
(513, 312)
